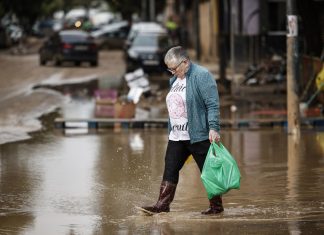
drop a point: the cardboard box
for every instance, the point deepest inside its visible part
(117, 110)
(125, 110)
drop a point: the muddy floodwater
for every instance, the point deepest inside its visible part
(58, 183)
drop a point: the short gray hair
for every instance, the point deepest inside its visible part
(175, 54)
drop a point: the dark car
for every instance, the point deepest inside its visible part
(147, 51)
(69, 45)
(44, 28)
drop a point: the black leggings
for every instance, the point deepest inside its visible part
(177, 153)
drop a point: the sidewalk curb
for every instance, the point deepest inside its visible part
(246, 124)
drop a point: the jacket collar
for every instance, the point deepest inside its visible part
(190, 69)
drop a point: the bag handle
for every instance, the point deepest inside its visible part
(214, 144)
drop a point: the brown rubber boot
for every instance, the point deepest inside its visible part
(216, 206)
(167, 191)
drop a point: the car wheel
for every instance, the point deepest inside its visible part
(105, 46)
(94, 63)
(42, 62)
(57, 61)
(130, 68)
(77, 63)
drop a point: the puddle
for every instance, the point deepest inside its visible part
(20, 116)
(90, 184)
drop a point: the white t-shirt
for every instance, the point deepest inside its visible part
(176, 103)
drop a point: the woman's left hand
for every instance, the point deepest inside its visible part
(214, 136)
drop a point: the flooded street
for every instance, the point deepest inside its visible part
(24, 93)
(90, 184)
(90, 89)
(57, 182)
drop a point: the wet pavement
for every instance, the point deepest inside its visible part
(90, 184)
(83, 181)
(27, 90)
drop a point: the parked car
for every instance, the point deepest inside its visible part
(4, 37)
(147, 52)
(142, 27)
(11, 31)
(111, 36)
(69, 45)
(44, 28)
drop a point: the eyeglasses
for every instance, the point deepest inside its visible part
(173, 70)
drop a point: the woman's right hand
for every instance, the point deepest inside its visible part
(214, 136)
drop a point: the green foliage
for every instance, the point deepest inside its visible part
(48, 7)
(128, 7)
(30, 10)
(125, 7)
(2, 11)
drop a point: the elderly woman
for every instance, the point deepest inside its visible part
(193, 106)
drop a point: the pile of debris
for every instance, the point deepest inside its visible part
(140, 102)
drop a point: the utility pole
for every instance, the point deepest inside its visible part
(224, 28)
(233, 16)
(183, 38)
(152, 10)
(144, 10)
(293, 115)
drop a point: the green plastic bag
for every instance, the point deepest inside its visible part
(220, 172)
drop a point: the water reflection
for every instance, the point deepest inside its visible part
(294, 156)
(89, 184)
(136, 142)
(294, 162)
(320, 140)
(13, 222)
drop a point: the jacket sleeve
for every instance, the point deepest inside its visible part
(208, 90)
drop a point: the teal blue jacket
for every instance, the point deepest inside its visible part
(202, 103)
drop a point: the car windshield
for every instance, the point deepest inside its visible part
(160, 41)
